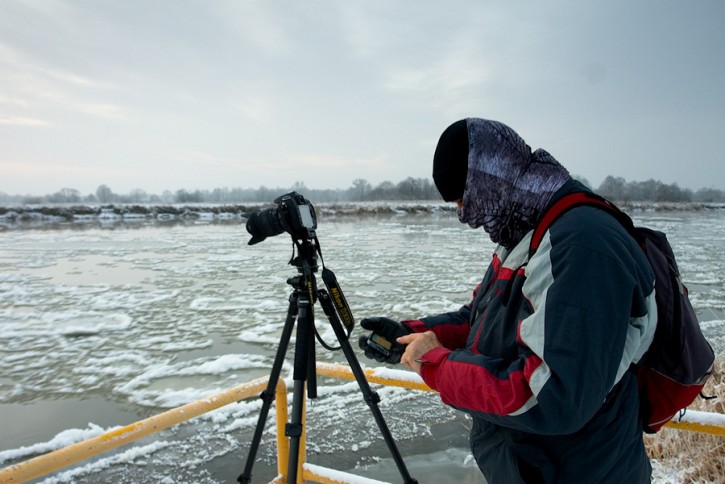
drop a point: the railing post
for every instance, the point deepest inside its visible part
(282, 441)
(303, 445)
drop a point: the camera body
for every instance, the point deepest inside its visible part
(293, 214)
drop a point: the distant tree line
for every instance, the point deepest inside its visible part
(615, 188)
(361, 190)
(619, 189)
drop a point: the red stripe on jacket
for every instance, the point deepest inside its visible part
(471, 386)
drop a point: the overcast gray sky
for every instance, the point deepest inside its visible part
(158, 95)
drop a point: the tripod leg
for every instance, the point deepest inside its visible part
(371, 397)
(305, 341)
(311, 364)
(267, 395)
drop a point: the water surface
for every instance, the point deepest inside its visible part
(103, 326)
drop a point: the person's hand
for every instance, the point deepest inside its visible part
(380, 344)
(418, 344)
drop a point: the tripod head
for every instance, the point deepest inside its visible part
(307, 250)
(306, 264)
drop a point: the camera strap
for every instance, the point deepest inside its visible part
(336, 294)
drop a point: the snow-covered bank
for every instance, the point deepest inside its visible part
(35, 214)
(117, 213)
(109, 214)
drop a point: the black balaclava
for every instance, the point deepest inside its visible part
(450, 161)
(507, 186)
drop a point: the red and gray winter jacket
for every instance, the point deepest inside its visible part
(540, 358)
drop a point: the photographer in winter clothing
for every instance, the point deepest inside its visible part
(540, 357)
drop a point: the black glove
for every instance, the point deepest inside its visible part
(380, 345)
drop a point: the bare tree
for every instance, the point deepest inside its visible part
(104, 194)
(360, 189)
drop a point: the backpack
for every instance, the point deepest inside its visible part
(679, 360)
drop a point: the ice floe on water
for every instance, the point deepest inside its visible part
(171, 385)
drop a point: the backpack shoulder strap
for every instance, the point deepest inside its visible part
(577, 199)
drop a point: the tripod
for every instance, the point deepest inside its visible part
(301, 309)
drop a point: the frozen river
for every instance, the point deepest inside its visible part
(102, 326)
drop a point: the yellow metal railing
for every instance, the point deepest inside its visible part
(58, 459)
(45, 464)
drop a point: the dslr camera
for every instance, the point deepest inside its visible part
(293, 214)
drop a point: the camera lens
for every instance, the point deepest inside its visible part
(261, 225)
